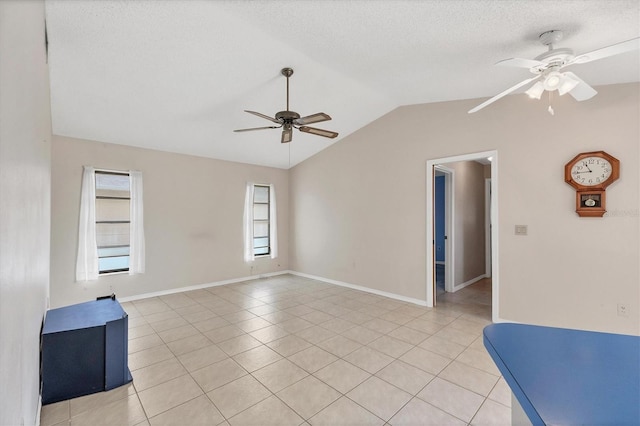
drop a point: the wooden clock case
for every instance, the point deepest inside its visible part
(591, 199)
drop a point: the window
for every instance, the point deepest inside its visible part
(260, 232)
(261, 238)
(113, 221)
(111, 224)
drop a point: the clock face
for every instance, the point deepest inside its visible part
(591, 171)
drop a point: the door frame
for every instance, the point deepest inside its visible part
(449, 229)
(487, 226)
(430, 278)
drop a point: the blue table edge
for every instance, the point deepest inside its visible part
(524, 402)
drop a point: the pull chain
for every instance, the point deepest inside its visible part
(550, 109)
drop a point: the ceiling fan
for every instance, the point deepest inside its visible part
(288, 120)
(547, 66)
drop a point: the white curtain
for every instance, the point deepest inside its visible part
(273, 228)
(87, 261)
(136, 250)
(248, 223)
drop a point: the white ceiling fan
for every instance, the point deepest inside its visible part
(547, 66)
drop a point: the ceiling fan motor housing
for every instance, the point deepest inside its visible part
(555, 58)
(287, 116)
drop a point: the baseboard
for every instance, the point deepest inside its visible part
(272, 274)
(200, 286)
(468, 283)
(300, 274)
(361, 288)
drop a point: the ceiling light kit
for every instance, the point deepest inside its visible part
(289, 120)
(547, 69)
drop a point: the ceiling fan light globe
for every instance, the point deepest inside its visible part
(535, 91)
(552, 81)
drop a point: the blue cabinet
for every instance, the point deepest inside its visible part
(84, 350)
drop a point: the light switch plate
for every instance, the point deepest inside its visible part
(521, 229)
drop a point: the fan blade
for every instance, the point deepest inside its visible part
(505, 93)
(257, 128)
(319, 132)
(521, 63)
(310, 119)
(287, 135)
(582, 91)
(614, 49)
(266, 117)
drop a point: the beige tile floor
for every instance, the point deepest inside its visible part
(294, 351)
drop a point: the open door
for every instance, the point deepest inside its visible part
(441, 209)
(432, 261)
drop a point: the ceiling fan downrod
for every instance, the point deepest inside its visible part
(287, 72)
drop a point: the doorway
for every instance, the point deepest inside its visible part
(439, 221)
(453, 257)
(443, 231)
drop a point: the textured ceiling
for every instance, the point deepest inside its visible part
(177, 75)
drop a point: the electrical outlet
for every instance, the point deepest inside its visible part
(521, 230)
(623, 311)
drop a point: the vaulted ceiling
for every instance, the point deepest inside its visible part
(176, 75)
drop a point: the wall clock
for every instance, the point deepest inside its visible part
(590, 173)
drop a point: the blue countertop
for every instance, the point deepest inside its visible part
(83, 315)
(569, 377)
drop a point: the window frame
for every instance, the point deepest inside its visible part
(105, 272)
(268, 220)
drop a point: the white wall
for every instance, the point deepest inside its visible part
(193, 210)
(25, 135)
(358, 208)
